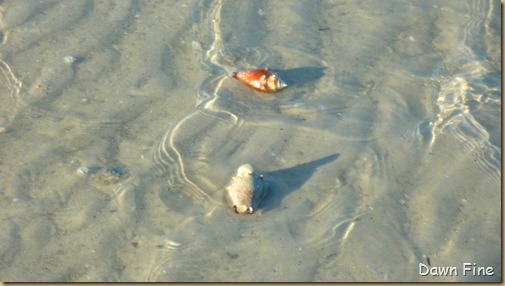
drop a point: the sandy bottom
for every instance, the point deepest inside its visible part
(119, 128)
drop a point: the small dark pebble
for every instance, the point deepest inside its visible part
(233, 255)
(118, 172)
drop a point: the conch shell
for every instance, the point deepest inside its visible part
(262, 79)
(246, 190)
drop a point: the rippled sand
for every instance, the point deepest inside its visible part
(119, 128)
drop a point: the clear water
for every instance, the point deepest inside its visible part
(120, 127)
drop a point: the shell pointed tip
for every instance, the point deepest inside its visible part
(232, 73)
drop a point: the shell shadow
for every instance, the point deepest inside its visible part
(301, 76)
(293, 178)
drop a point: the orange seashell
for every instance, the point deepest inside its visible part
(262, 80)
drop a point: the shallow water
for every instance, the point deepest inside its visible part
(120, 127)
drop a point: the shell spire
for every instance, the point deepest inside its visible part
(260, 79)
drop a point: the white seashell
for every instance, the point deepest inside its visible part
(246, 190)
(69, 59)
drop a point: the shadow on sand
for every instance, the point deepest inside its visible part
(293, 178)
(300, 76)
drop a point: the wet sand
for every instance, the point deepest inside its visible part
(120, 127)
